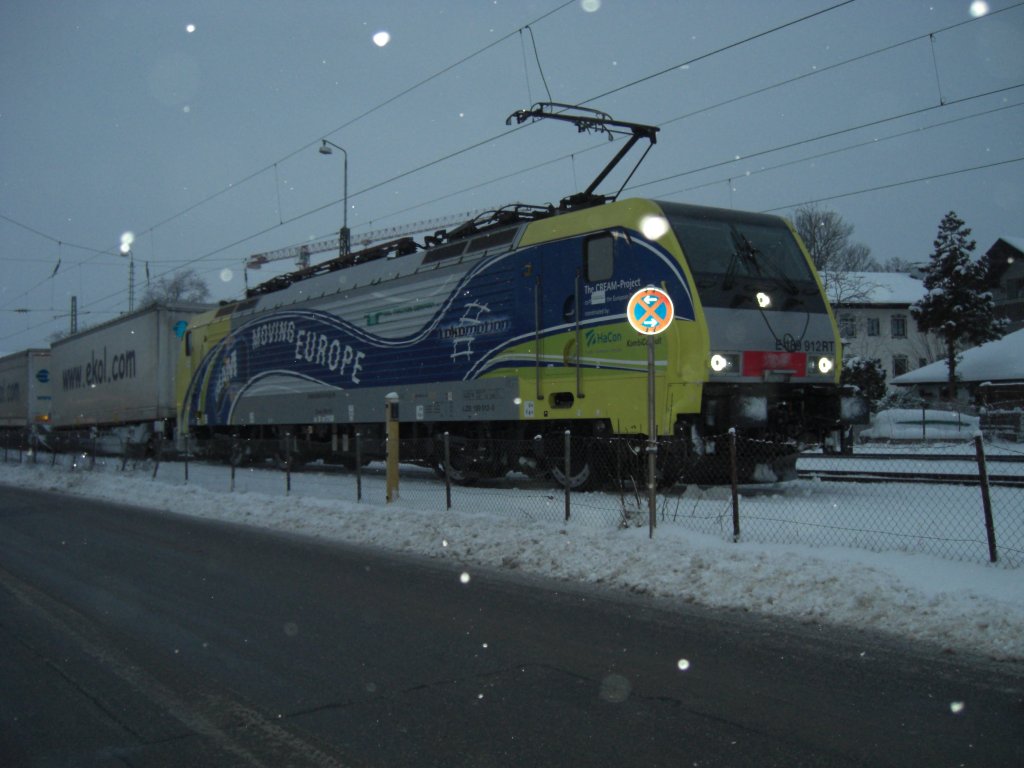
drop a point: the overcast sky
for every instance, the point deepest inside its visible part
(195, 125)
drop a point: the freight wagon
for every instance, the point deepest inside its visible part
(25, 387)
(116, 380)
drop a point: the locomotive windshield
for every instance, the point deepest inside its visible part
(734, 255)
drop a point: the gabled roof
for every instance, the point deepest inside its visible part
(1017, 243)
(1001, 360)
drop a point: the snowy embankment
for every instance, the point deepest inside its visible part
(963, 607)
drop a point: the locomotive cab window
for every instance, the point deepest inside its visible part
(598, 258)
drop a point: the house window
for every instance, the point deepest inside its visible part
(848, 326)
(874, 326)
(899, 327)
(899, 365)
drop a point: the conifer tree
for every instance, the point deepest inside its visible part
(958, 305)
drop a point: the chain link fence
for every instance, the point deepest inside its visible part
(962, 500)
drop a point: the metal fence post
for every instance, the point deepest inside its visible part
(186, 458)
(568, 469)
(734, 477)
(391, 416)
(986, 500)
(447, 473)
(159, 455)
(288, 463)
(359, 466)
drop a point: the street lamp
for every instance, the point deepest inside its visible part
(126, 250)
(343, 240)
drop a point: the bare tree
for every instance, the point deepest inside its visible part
(898, 264)
(827, 238)
(184, 286)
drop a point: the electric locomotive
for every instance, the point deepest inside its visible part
(512, 329)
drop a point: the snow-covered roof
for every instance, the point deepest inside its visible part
(1001, 360)
(861, 288)
(1016, 242)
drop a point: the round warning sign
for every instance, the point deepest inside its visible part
(650, 311)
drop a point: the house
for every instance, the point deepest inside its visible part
(990, 375)
(873, 312)
(1006, 265)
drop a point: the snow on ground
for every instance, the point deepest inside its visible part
(918, 424)
(961, 606)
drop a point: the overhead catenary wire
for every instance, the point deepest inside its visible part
(443, 71)
(870, 142)
(314, 142)
(282, 221)
(830, 134)
(895, 184)
(255, 174)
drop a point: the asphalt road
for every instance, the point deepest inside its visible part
(135, 638)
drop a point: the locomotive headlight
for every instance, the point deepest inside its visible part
(823, 364)
(654, 227)
(724, 363)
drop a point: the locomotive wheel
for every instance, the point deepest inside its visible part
(459, 474)
(582, 475)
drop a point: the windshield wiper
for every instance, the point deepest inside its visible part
(742, 250)
(753, 256)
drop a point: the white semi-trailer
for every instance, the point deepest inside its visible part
(25, 392)
(117, 379)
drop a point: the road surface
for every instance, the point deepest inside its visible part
(138, 638)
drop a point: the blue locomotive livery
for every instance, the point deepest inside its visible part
(519, 329)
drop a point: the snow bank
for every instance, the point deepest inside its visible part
(960, 606)
(906, 424)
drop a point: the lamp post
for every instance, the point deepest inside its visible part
(126, 250)
(343, 240)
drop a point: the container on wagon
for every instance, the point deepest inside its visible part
(25, 389)
(121, 372)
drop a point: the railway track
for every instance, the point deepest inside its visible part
(866, 471)
(920, 478)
